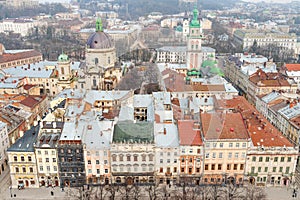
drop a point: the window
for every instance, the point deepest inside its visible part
(287, 170)
(97, 162)
(221, 145)
(46, 152)
(98, 171)
(219, 166)
(266, 169)
(90, 171)
(17, 169)
(114, 158)
(252, 170)
(281, 159)
(213, 167)
(198, 151)
(55, 168)
(161, 161)
(40, 160)
(89, 162)
(175, 169)
(105, 162)
(121, 157)
(267, 159)
(15, 158)
(182, 169)
(175, 160)
(244, 144)
(161, 170)
(253, 159)
(135, 158)
(29, 158)
(237, 145)
(214, 145)
(183, 151)
(214, 155)
(197, 169)
(260, 159)
(228, 166)
(151, 157)
(280, 169)
(24, 169)
(54, 159)
(243, 155)
(276, 159)
(229, 155)
(48, 168)
(289, 159)
(220, 155)
(128, 157)
(274, 169)
(47, 159)
(236, 155)
(39, 152)
(191, 150)
(30, 169)
(53, 153)
(206, 167)
(241, 166)
(161, 153)
(207, 155)
(235, 166)
(22, 158)
(259, 169)
(168, 161)
(105, 171)
(230, 144)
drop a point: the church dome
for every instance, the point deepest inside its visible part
(63, 58)
(100, 40)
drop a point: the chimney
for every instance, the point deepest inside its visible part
(54, 124)
(165, 131)
(292, 104)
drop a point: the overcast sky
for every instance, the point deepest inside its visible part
(273, 1)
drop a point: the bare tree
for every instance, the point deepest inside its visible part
(126, 191)
(254, 193)
(153, 191)
(100, 192)
(231, 192)
(136, 192)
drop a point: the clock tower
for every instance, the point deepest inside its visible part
(194, 38)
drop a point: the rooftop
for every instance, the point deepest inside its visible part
(166, 135)
(223, 126)
(127, 131)
(26, 142)
(189, 133)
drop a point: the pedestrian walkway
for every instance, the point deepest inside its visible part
(32, 193)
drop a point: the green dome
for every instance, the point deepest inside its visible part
(208, 63)
(63, 58)
(187, 78)
(216, 70)
(179, 28)
(195, 22)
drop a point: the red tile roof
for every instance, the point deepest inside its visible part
(175, 82)
(293, 67)
(261, 131)
(28, 86)
(221, 125)
(188, 134)
(264, 79)
(31, 101)
(8, 57)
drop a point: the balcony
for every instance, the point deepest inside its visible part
(168, 173)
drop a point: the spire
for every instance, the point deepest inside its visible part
(99, 26)
(195, 22)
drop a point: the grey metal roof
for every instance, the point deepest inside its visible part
(26, 142)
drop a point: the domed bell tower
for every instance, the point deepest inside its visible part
(64, 68)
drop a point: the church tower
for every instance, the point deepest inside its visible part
(185, 27)
(64, 72)
(194, 53)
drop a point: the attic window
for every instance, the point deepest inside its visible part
(89, 127)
